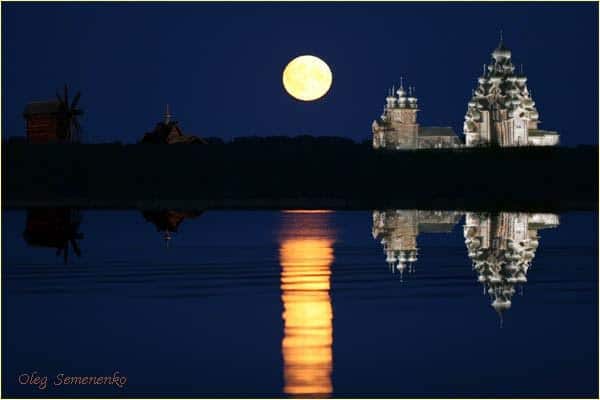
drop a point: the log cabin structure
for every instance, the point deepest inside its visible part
(44, 124)
(53, 121)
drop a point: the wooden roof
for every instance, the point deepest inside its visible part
(42, 107)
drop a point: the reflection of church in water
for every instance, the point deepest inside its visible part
(398, 230)
(501, 246)
(168, 221)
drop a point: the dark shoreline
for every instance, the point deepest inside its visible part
(294, 204)
(309, 173)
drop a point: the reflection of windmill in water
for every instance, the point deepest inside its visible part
(54, 227)
(502, 247)
(168, 221)
(54, 120)
(398, 230)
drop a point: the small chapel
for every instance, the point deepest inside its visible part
(168, 131)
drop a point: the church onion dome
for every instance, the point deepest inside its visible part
(512, 113)
(501, 305)
(521, 79)
(483, 103)
(401, 266)
(527, 102)
(412, 257)
(390, 258)
(534, 115)
(482, 80)
(400, 92)
(520, 278)
(501, 53)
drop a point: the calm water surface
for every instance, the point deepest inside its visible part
(399, 303)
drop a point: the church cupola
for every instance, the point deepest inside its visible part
(412, 101)
(390, 100)
(501, 53)
(401, 94)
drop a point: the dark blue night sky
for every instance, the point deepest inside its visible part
(220, 65)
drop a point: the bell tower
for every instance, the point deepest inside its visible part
(397, 129)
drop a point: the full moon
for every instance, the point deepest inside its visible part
(307, 78)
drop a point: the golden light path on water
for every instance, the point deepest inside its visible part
(306, 255)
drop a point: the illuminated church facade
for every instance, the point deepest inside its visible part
(501, 110)
(398, 129)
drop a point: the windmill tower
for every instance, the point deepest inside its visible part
(54, 121)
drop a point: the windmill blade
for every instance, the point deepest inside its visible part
(68, 130)
(76, 248)
(76, 133)
(75, 101)
(66, 96)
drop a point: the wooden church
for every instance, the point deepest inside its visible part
(169, 132)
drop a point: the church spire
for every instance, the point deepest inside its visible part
(168, 115)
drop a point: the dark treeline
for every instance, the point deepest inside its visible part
(300, 172)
